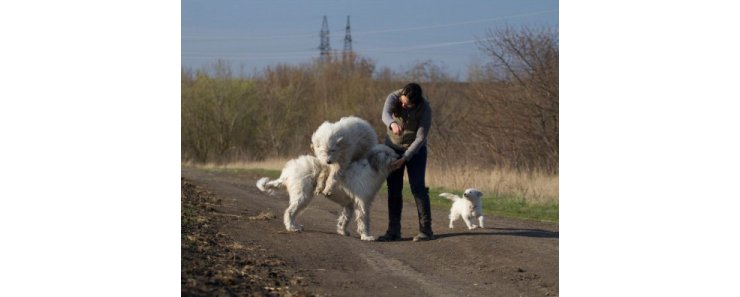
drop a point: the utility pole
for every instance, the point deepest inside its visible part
(347, 54)
(347, 38)
(324, 47)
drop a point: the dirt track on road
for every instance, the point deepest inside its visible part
(508, 258)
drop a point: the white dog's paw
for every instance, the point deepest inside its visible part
(452, 227)
(327, 193)
(343, 232)
(295, 228)
(367, 238)
(472, 227)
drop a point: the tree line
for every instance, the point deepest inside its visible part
(505, 114)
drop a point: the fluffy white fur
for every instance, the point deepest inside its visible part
(358, 186)
(338, 144)
(466, 208)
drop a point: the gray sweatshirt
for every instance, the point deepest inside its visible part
(393, 102)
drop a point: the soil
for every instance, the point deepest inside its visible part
(234, 243)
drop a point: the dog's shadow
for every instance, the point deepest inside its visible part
(536, 233)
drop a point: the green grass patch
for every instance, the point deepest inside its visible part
(515, 207)
(520, 208)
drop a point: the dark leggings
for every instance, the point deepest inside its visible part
(416, 168)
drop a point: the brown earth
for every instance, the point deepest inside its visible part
(234, 244)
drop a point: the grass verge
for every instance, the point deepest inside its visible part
(510, 205)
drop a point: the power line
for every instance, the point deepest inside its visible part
(311, 35)
(256, 58)
(423, 46)
(403, 48)
(309, 54)
(453, 24)
(325, 47)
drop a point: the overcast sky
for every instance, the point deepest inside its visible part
(395, 34)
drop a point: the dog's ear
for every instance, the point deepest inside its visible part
(374, 161)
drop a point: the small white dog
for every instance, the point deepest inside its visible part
(338, 144)
(359, 184)
(466, 208)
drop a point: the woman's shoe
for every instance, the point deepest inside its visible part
(389, 237)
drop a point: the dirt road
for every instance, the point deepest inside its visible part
(508, 258)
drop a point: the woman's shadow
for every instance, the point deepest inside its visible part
(536, 233)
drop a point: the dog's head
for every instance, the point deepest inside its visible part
(322, 144)
(473, 194)
(380, 156)
(338, 149)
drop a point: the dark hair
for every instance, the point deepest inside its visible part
(413, 92)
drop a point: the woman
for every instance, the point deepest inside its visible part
(408, 118)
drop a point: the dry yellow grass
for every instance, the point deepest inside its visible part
(535, 187)
(270, 164)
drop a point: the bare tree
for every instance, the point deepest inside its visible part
(519, 89)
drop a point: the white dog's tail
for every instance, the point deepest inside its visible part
(452, 197)
(267, 186)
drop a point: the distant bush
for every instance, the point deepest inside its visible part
(217, 116)
(506, 114)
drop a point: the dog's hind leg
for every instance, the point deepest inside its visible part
(453, 216)
(295, 207)
(344, 218)
(289, 218)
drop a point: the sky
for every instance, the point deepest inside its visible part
(395, 34)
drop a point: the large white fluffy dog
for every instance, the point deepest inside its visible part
(357, 187)
(466, 208)
(338, 144)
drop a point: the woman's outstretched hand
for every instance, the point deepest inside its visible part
(397, 164)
